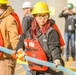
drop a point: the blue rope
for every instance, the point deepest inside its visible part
(49, 64)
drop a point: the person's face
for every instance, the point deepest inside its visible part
(70, 10)
(42, 19)
(26, 11)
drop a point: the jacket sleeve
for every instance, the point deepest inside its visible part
(21, 42)
(62, 14)
(25, 35)
(54, 45)
(12, 29)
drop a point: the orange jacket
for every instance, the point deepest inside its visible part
(9, 30)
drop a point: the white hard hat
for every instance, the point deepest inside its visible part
(27, 5)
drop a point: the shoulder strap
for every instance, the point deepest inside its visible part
(45, 42)
(50, 29)
(1, 39)
(45, 39)
(18, 20)
(52, 22)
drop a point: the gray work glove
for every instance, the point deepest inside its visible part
(56, 62)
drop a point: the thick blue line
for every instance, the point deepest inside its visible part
(49, 64)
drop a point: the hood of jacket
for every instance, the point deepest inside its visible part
(8, 11)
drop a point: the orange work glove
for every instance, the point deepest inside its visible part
(21, 54)
(14, 54)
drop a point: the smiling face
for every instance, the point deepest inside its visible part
(41, 19)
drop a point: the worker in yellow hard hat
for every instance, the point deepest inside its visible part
(46, 32)
(9, 29)
(40, 7)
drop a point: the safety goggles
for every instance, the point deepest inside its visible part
(44, 16)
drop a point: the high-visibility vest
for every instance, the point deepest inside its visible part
(1, 43)
(34, 49)
(19, 24)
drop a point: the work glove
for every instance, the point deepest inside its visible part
(56, 62)
(14, 54)
(21, 54)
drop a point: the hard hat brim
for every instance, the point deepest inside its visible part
(41, 12)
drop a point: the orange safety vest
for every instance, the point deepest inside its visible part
(18, 20)
(1, 43)
(34, 49)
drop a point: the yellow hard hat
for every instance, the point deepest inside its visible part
(40, 7)
(4, 1)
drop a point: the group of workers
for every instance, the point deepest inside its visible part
(39, 37)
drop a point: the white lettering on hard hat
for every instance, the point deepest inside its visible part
(43, 9)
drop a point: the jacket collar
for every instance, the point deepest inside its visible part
(7, 12)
